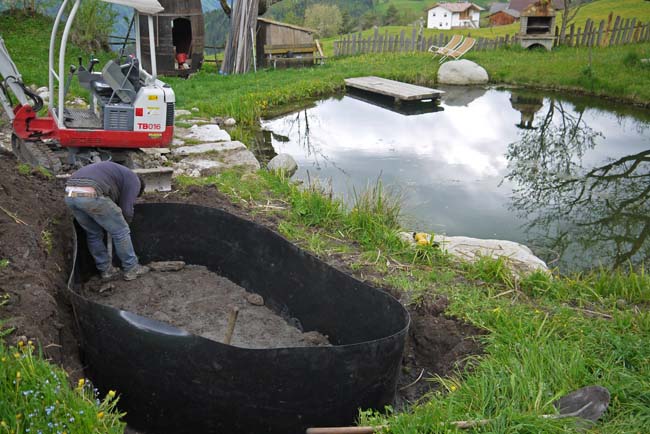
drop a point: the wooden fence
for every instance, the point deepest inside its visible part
(607, 33)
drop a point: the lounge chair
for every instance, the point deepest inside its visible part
(460, 51)
(453, 43)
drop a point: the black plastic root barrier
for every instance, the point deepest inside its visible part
(171, 381)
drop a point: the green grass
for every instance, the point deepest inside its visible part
(4, 263)
(597, 10)
(36, 397)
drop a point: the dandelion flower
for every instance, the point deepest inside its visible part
(111, 394)
(100, 415)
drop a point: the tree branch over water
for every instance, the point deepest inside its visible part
(604, 209)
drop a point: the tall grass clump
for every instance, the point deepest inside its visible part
(315, 205)
(36, 398)
(374, 217)
(601, 285)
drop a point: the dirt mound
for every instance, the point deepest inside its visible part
(200, 301)
(35, 252)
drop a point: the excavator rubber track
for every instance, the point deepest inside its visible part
(36, 154)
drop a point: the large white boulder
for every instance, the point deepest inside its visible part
(462, 72)
(520, 258)
(283, 163)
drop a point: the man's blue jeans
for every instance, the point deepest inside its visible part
(96, 214)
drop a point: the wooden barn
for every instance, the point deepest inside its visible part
(275, 33)
(179, 37)
(503, 17)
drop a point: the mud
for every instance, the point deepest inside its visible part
(200, 302)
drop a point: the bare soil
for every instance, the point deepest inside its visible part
(200, 302)
(36, 241)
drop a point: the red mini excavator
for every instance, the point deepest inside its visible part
(129, 108)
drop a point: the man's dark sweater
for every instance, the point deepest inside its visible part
(112, 180)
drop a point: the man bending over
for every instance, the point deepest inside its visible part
(101, 197)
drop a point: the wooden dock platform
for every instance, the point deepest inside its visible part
(396, 89)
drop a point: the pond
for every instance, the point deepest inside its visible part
(569, 177)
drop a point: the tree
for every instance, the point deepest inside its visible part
(325, 19)
(347, 25)
(93, 25)
(570, 9)
(392, 15)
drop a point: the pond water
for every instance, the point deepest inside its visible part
(569, 177)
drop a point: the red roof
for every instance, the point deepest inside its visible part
(520, 5)
(456, 7)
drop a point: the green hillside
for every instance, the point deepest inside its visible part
(596, 10)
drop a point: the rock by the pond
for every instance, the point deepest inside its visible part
(196, 167)
(182, 112)
(213, 164)
(45, 96)
(207, 133)
(207, 147)
(242, 158)
(166, 265)
(283, 163)
(462, 72)
(230, 122)
(42, 89)
(195, 109)
(519, 257)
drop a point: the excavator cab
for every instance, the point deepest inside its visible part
(129, 108)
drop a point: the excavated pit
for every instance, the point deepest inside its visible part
(173, 380)
(201, 302)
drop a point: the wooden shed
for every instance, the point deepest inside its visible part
(179, 37)
(503, 17)
(270, 32)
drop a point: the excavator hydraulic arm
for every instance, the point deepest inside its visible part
(23, 115)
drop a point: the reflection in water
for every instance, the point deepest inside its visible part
(577, 208)
(568, 179)
(407, 108)
(528, 106)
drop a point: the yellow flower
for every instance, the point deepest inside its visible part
(81, 383)
(4, 359)
(21, 343)
(111, 394)
(453, 387)
(18, 375)
(3, 424)
(100, 415)
(17, 355)
(30, 343)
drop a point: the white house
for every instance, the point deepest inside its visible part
(453, 15)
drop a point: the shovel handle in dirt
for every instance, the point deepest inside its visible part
(587, 403)
(232, 319)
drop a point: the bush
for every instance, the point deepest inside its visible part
(93, 25)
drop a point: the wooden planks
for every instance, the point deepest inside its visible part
(396, 89)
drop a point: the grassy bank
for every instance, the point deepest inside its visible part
(547, 335)
(611, 72)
